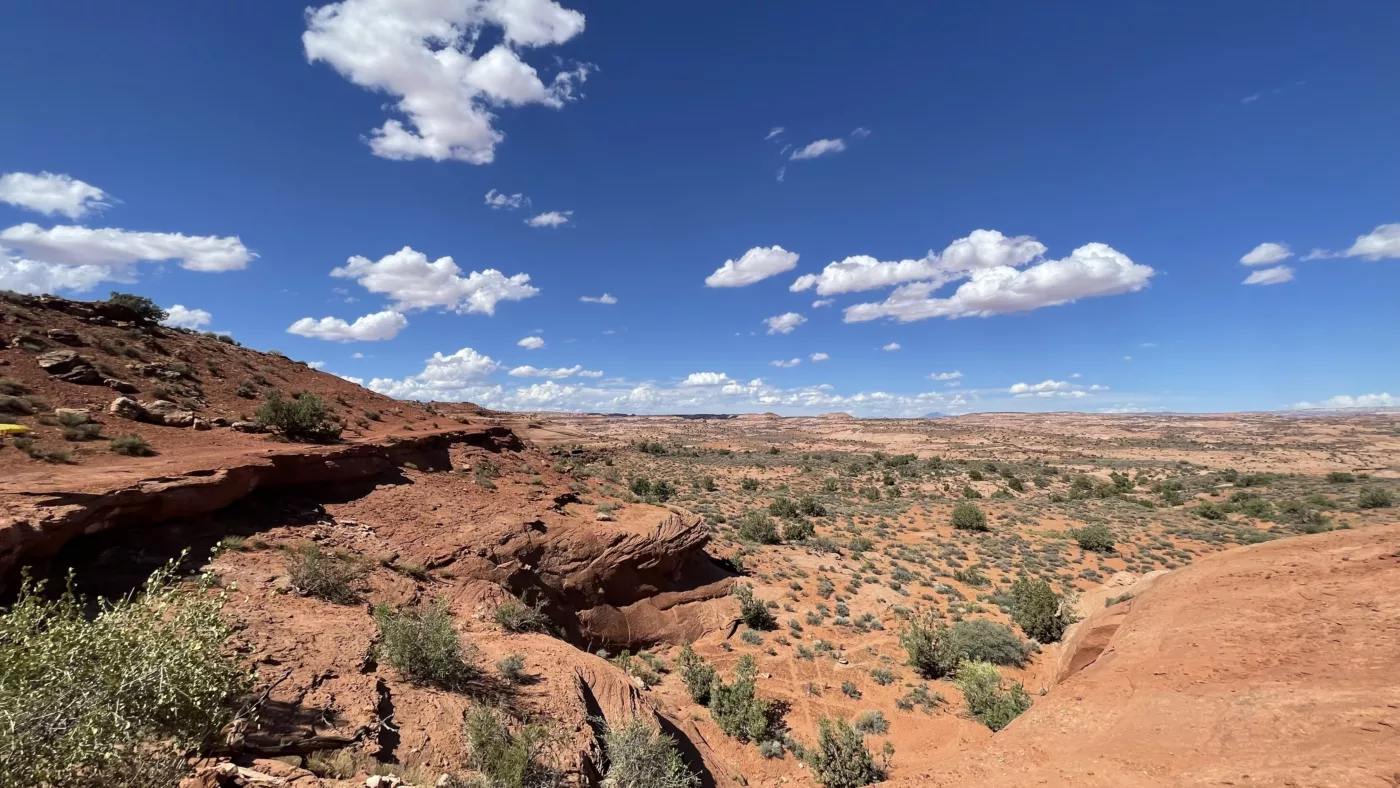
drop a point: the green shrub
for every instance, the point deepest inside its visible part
(986, 700)
(302, 418)
(968, 517)
(840, 759)
(1096, 537)
(798, 530)
(424, 646)
(736, 708)
(506, 758)
(511, 667)
(144, 307)
(1209, 511)
(753, 611)
(868, 722)
(697, 674)
(640, 756)
(1340, 477)
(935, 649)
(782, 507)
(12, 387)
(513, 615)
(323, 575)
(15, 406)
(748, 484)
(758, 527)
(118, 697)
(811, 507)
(1374, 498)
(131, 446)
(1040, 612)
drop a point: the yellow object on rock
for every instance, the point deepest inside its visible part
(13, 429)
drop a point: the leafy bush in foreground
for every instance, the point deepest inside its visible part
(506, 758)
(993, 706)
(115, 699)
(736, 708)
(697, 674)
(640, 756)
(968, 517)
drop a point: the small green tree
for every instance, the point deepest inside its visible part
(1096, 537)
(1040, 612)
(697, 674)
(144, 307)
(736, 707)
(968, 517)
(986, 700)
(840, 759)
(302, 418)
(753, 611)
(758, 527)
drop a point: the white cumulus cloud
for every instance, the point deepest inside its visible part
(118, 249)
(980, 250)
(757, 264)
(1381, 243)
(423, 53)
(181, 316)
(1091, 270)
(554, 373)
(550, 219)
(789, 364)
(441, 377)
(1383, 400)
(819, 357)
(509, 202)
(51, 193)
(1267, 254)
(954, 375)
(818, 148)
(531, 343)
(602, 299)
(413, 282)
(1270, 276)
(370, 328)
(784, 323)
(891, 347)
(707, 379)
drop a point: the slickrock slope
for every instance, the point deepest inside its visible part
(1270, 665)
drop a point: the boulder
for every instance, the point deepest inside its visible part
(128, 408)
(168, 413)
(202, 425)
(64, 337)
(120, 386)
(247, 426)
(68, 366)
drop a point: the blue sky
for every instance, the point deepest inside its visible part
(1051, 200)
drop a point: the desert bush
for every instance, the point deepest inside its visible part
(12, 387)
(640, 756)
(115, 698)
(748, 484)
(1340, 477)
(697, 675)
(737, 709)
(327, 576)
(758, 527)
(840, 759)
(423, 645)
(811, 507)
(783, 507)
(15, 406)
(1374, 498)
(514, 615)
(302, 418)
(798, 530)
(871, 722)
(511, 667)
(882, 676)
(935, 649)
(753, 611)
(986, 700)
(1209, 511)
(246, 390)
(506, 758)
(1097, 537)
(1039, 611)
(131, 446)
(144, 307)
(968, 517)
